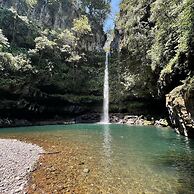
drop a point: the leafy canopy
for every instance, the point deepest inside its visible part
(81, 25)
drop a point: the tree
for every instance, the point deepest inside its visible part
(81, 25)
(135, 27)
(97, 9)
(171, 52)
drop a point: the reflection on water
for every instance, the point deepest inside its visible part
(107, 141)
(107, 151)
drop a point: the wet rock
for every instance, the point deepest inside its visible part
(131, 119)
(146, 122)
(161, 122)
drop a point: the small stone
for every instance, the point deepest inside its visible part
(61, 187)
(18, 190)
(51, 169)
(34, 187)
(14, 171)
(18, 178)
(86, 170)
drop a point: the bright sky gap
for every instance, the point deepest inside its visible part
(109, 23)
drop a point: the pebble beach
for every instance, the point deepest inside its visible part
(17, 160)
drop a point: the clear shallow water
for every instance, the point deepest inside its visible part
(127, 159)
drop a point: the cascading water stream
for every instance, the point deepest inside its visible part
(105, 117)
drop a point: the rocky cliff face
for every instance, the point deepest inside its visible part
(179, 103)
(59, 14)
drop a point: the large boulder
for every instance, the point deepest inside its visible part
(177, 103)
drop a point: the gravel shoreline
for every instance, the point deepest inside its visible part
(17, 160)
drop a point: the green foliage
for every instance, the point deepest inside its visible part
(31, 3)
(135, 72)
(97, 9)
(165, 33)
(52, 48)
(46, 69)
(43, 43)
(19, 30)
(66, 38)
(81, 25)
(173, 33)
(157, 35)
(8, 62)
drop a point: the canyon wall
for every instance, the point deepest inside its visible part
(153, 53)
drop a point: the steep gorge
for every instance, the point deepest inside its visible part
(153, 47)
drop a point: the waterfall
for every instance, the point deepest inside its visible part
(105, 118)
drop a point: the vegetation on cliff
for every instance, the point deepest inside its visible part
(154, 46)
(50, 70)
(52, 58)
(153, 49)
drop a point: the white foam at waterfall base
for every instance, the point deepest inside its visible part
(105, 116)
